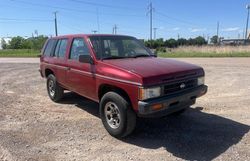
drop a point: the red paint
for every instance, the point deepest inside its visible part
(126, 74)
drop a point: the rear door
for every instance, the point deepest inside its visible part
(80, 76)
(59, 56)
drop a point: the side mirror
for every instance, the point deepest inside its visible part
(86, 59)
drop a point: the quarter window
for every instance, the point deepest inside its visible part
(50, 47)
(61, 48)
(79, 47)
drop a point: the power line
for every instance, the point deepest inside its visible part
(30, 20)
(66, 25)
(104, 5)
(175, 19)
(73, 9)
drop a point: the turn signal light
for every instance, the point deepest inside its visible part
(157, 106)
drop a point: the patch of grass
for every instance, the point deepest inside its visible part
(202, 54)
(207, 51)
(19, 53)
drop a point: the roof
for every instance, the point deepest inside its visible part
(88, 35)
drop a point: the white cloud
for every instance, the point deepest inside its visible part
(197, 29)
(230, 29)
(176, 28)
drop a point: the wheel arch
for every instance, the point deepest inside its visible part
(48, 71)
(105, 88)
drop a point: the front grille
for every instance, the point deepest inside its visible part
(179, 86)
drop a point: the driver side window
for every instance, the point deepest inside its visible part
(79, 47)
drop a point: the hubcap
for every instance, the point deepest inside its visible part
(51, 88)
(112, 115)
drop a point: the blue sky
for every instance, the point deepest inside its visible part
(186, 18)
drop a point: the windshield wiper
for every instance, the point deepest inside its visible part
(141, 55)
(114, 57)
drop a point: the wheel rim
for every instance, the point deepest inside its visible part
(51, 88)
(112, 115)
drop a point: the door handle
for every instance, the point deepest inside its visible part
(68, 68)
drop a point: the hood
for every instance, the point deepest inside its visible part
(157, 70)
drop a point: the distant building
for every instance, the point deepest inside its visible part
(6, 39)
(235, 42)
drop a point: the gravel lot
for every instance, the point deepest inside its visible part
(34, 128)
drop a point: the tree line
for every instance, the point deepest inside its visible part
(18, 42)
(36, 43)
(160, 44)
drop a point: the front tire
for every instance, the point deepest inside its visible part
(117, 116)
(55, 91)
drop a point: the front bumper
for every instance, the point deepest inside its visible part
(171, 103)
(40, 71)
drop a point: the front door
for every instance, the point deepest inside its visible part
(80, 76)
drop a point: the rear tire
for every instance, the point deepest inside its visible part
(55, 91)
(117, 116)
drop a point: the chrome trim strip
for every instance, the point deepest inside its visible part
(119, 80)
(83, 72)
(97, 75)
(58, 66)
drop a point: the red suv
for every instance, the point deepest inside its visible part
(122, 75)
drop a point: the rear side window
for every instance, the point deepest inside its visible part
(50, 47)
(79, 47)
(61, 48)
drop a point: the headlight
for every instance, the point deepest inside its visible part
(201, 81)
(146, 93)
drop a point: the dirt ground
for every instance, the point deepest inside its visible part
(32, 127)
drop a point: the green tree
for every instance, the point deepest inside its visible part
(214, 39)
(200, 41)
(16, 43)
(4, 44)
(182, 42)
(37, 42)
(171, 43)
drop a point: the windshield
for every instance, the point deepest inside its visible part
(118, 47)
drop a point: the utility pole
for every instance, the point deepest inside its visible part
(97, 18)
(55, 13)
(94, 31)
(115, 29)
(36, 32)
(246, 32)
(155, 32)
(150, 11)
(218, 28)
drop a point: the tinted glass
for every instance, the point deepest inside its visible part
(61, 48)
(79, 47)
(118, 47)
(49, 47)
